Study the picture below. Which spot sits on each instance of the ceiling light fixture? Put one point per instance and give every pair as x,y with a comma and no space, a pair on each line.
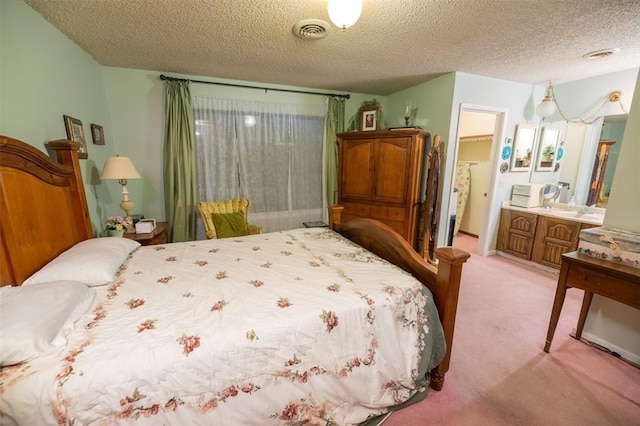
549,106
344,13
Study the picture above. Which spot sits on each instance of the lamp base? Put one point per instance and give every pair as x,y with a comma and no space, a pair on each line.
127,206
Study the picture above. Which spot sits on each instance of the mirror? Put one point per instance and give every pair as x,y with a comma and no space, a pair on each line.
598,194
550,193
579,160
546,158
523,147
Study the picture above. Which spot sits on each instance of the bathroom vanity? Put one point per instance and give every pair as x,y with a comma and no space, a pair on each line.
542,235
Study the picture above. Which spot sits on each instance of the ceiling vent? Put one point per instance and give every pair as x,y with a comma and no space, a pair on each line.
599,54
312,29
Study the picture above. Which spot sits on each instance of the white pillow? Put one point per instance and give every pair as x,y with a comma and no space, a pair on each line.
94,262
38,318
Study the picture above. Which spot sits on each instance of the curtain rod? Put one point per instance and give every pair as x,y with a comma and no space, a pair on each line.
164,77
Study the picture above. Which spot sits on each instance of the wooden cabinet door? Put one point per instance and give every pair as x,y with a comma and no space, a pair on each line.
516,233
356,169
554,238
393,169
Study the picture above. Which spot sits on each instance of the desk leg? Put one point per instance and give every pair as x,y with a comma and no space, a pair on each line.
586,303
561,292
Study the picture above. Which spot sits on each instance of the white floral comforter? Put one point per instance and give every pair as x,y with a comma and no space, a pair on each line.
296,327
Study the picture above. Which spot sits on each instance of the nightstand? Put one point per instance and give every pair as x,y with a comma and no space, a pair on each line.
158,236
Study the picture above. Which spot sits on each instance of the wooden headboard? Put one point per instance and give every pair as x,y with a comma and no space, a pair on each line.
43,206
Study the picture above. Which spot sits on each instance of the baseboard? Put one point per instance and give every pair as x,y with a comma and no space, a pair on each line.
605,346
528,263
467,233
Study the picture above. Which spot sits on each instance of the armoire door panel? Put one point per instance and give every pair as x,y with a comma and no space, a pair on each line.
356,181
391,170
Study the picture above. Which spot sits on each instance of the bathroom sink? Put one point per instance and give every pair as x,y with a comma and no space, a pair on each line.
589,217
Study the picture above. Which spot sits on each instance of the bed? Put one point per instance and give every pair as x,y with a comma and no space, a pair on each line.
308,326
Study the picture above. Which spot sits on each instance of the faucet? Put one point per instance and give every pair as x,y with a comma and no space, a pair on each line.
587,209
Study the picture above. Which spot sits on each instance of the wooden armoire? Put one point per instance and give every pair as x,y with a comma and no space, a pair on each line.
380,177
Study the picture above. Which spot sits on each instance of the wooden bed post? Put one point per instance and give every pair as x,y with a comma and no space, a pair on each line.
335,213
449,272
66,152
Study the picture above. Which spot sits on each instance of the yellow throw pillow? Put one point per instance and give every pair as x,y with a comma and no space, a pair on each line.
230,224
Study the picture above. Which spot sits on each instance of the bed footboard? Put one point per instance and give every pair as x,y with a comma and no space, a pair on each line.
443,280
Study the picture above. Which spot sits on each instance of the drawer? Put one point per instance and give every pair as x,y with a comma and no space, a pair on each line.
397,213
357,210
604,285
379,212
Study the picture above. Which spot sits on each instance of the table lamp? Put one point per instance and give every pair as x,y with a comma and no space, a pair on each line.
121,168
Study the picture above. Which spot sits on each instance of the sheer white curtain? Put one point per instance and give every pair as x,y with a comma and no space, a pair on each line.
270,153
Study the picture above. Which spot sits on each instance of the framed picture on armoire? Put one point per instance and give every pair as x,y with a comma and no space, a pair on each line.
368,120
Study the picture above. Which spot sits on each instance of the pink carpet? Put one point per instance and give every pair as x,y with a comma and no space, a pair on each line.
499,373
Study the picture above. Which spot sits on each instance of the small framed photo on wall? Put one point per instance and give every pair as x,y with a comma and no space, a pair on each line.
368,120
97,134
75,132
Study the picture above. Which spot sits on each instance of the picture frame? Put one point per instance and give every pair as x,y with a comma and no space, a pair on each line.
368,119
97,134
75,132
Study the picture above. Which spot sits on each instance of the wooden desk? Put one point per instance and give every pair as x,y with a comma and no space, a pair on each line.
158,236
595,276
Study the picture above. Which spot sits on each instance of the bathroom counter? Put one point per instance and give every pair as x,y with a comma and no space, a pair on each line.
596,217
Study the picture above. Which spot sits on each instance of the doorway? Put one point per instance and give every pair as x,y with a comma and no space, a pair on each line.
479,132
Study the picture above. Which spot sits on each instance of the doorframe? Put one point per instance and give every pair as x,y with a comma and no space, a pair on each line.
487,231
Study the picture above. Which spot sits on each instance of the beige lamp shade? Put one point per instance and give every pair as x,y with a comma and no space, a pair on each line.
119,168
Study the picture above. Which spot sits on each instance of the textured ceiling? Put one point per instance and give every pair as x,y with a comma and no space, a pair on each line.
395,44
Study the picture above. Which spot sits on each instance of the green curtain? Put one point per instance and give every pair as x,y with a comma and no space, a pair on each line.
334,125
179,162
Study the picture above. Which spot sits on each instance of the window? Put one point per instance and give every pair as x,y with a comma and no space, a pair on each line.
270,153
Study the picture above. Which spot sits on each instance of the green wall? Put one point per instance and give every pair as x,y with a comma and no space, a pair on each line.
612,132
43,75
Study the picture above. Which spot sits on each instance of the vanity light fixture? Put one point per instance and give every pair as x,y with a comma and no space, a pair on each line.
344,13
121,168
549,106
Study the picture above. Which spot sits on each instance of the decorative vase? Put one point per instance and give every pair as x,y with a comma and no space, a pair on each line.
114,233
